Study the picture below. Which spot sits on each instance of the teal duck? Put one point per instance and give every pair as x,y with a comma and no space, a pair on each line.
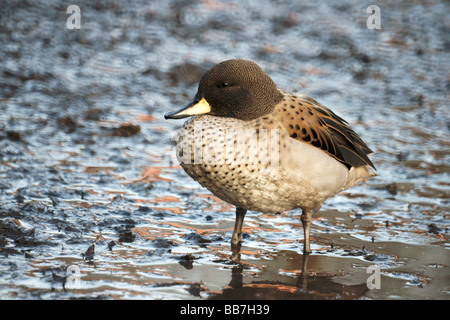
264,149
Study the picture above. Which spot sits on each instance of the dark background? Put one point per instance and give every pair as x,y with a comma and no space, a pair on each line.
87,173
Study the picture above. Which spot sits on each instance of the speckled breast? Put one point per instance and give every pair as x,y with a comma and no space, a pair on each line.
240,162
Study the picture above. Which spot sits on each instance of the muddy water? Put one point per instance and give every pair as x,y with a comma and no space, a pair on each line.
94,205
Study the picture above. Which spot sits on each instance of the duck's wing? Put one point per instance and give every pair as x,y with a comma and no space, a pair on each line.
311,122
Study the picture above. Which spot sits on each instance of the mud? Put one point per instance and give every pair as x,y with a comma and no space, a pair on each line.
93,204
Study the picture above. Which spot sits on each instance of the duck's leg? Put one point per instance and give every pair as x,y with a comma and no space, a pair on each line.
306,221
236,239
302,281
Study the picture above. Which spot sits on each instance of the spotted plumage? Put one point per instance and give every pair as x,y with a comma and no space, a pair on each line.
309,121
264,149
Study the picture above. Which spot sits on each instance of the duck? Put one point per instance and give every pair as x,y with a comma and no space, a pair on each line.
262,148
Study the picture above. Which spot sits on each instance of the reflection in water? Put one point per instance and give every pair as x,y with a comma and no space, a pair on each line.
308,287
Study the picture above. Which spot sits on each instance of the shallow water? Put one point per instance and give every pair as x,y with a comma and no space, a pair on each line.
89,183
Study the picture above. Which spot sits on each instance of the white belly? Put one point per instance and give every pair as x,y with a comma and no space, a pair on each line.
302,176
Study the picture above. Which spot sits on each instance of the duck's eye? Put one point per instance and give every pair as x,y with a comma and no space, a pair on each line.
225,84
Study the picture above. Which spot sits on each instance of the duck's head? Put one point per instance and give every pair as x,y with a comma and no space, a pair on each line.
235,88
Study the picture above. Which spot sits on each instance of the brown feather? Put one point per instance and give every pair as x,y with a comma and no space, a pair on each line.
311,122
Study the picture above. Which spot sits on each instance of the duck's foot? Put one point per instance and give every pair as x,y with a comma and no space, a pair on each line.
236,239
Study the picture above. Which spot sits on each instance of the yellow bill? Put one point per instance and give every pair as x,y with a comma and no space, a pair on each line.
192,109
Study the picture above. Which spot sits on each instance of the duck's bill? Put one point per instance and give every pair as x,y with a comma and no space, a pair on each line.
194,108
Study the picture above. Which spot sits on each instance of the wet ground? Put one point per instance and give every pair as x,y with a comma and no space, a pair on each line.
94,205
